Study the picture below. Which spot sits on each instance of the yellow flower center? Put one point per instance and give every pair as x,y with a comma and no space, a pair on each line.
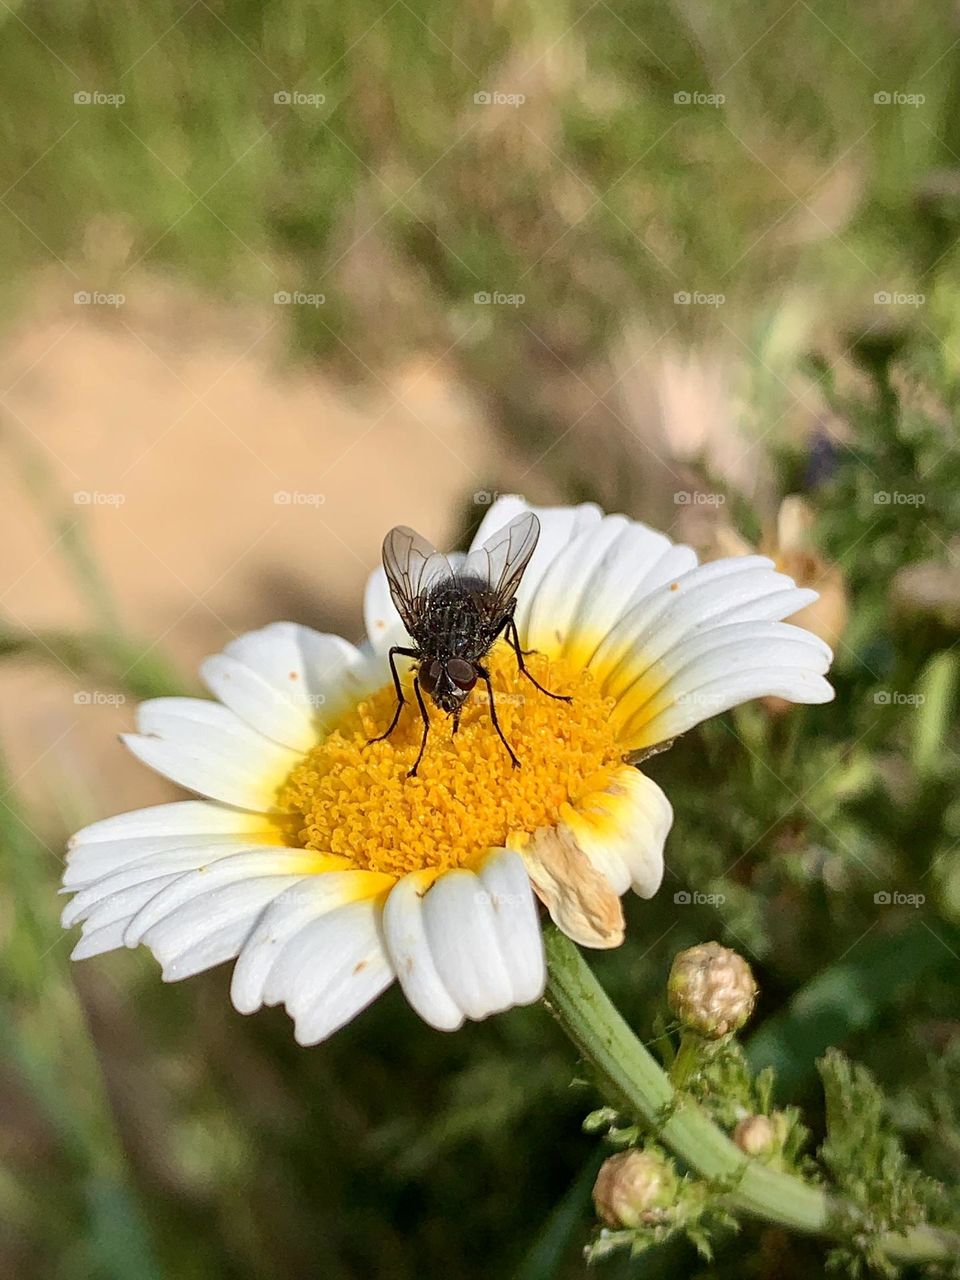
356,800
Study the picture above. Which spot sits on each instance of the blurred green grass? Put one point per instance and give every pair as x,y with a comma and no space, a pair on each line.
150,1131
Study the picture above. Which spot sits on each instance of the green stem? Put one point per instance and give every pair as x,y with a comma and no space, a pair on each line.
685,1063
635,1081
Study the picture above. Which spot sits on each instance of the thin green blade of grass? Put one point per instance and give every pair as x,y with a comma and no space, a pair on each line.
101,660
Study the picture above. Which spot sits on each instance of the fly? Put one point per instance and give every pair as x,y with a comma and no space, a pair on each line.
455,616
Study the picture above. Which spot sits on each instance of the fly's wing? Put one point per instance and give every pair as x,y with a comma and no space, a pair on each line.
412,567
500,563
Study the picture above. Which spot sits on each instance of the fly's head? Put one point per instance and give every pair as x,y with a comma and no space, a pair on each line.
448,683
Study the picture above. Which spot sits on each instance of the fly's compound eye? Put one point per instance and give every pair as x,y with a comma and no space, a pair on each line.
430,674
462,674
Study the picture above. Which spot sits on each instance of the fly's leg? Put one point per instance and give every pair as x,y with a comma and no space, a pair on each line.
426,727
484,674
405,653
513,640
509,622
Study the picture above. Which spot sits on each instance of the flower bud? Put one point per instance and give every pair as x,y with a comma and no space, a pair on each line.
634,1187
711,990
761,1135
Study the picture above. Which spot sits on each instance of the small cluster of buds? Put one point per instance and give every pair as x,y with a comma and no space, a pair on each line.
711,990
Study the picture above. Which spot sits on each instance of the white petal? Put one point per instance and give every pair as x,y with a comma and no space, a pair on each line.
258,703
142,871
287,680
623,830
595,579
239,868
710,656
410,954
212,927
119,906
703,643
182,818
727,692
462,935
205,747
285,917
505,879
330,970
558,526
107,846
97,941
658,622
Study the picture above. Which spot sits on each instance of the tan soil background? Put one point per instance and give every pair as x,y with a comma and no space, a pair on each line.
171,429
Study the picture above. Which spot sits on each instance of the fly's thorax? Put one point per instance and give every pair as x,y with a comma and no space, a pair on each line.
455,622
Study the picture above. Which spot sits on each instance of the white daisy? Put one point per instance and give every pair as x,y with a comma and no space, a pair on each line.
326,871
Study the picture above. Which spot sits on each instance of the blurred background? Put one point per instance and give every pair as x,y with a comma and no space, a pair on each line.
279,276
